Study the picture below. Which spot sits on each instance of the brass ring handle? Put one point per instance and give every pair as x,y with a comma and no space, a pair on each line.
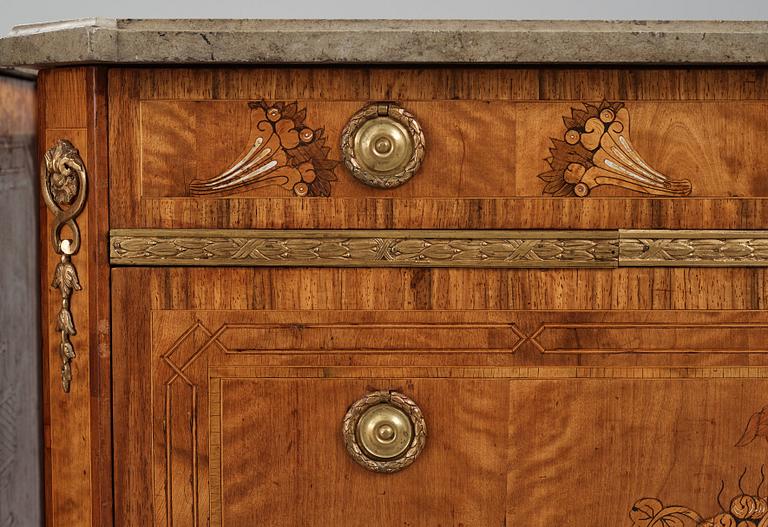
384,431
383,145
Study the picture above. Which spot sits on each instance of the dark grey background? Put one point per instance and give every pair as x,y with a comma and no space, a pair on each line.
14,12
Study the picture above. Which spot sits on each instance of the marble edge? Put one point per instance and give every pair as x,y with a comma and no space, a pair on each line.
19,73
126,41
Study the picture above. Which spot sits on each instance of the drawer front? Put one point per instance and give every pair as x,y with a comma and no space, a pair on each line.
503,148
544,405
568,283
575,450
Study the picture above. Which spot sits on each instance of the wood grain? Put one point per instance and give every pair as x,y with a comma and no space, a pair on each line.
447,289
72,104
132,372
593,447
306,459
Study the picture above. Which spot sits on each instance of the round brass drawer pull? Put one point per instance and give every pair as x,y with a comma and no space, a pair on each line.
384,431
382,145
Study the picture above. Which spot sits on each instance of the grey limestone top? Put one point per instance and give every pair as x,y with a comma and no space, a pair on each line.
97,40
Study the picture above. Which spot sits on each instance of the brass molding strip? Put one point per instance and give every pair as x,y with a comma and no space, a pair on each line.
693,248
439,248
364,248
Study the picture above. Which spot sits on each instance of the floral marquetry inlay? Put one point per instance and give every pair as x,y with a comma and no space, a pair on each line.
596,150
747,509
282,150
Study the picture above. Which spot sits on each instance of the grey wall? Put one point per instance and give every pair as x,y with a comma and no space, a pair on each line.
20,11
20,416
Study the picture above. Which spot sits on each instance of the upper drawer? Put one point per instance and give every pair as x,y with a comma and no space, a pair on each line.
504,148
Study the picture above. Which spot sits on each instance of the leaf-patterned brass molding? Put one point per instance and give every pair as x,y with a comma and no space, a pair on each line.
444,248
596,150
360,248
281,151
707,248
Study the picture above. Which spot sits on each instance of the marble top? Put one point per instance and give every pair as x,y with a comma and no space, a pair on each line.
123,41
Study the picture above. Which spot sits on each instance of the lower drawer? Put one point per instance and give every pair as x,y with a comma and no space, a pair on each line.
568,451
229,415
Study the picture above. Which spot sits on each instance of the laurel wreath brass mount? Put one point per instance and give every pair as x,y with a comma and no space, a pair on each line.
383,145
384,431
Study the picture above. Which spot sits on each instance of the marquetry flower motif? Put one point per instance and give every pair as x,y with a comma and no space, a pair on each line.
757,427
282,150
596,150
744,510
